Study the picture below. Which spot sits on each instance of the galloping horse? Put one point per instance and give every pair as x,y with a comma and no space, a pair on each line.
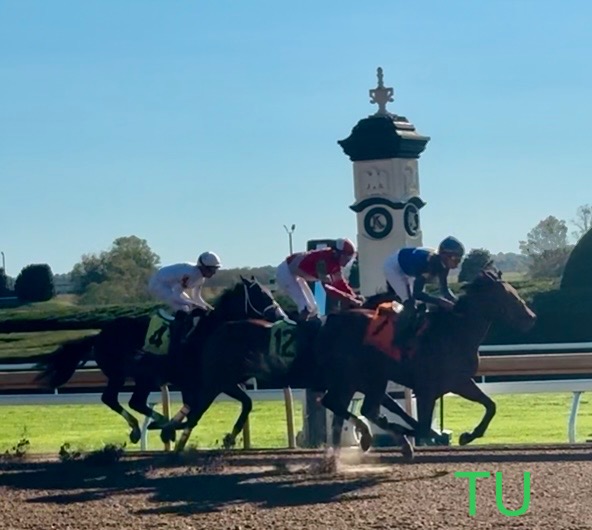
335,357
116,350
444,358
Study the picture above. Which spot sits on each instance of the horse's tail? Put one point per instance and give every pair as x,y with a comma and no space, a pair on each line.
65,360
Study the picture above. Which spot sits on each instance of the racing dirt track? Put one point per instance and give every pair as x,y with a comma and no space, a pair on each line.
288,489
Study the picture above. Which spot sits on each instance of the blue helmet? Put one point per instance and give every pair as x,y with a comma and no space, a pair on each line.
451,245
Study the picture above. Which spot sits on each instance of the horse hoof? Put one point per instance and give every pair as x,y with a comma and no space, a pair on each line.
365,441
407,452
229,441
135,435
465,438
167,435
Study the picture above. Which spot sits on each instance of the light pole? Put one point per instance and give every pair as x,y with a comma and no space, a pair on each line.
290,231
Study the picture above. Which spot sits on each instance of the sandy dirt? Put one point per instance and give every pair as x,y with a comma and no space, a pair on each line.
295,489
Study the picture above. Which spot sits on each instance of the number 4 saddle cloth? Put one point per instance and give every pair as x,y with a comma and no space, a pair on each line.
158,335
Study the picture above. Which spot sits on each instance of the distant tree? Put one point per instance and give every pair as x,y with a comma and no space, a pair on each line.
476,259
583,221
511,262
118,274
35,283
549,263
4,291
91,269
548,234
547,247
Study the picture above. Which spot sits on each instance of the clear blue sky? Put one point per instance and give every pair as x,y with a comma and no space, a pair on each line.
209,125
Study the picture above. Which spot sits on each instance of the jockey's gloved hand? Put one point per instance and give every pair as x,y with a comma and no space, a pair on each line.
199,311
446,304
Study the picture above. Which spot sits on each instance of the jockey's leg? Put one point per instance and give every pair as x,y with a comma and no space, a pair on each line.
288,283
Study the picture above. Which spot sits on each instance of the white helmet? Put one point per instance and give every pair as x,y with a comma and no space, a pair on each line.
209,259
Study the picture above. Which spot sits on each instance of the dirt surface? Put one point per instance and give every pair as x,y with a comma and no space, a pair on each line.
292,490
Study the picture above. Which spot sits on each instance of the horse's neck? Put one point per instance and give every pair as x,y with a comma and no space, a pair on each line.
468,327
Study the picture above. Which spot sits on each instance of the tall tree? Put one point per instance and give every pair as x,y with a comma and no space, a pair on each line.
583,221
548,234
547,247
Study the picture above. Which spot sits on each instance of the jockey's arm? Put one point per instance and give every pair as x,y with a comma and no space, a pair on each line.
338,281
420,294
197,298
444,289
321,270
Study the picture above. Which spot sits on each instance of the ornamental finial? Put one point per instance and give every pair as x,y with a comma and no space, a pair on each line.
381,95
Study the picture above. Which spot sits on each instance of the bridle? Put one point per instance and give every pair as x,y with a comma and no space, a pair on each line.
249,305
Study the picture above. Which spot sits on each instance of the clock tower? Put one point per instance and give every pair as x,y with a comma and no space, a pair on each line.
384,149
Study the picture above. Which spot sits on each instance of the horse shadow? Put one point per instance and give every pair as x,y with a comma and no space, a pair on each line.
198,489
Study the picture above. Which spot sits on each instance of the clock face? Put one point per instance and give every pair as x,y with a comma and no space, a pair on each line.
411,219
378,222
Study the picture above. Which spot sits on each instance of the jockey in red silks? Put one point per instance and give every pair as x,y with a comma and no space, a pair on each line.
324,265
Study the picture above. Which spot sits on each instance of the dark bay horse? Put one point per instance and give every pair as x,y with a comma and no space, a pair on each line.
116,352
444,359
334,358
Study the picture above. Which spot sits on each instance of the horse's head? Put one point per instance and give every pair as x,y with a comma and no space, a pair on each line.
498,300
259,301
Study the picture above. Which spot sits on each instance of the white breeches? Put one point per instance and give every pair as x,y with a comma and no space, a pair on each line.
164,294
296,288
397,279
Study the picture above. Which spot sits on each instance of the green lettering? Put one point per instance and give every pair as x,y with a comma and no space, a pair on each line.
499,496
472,476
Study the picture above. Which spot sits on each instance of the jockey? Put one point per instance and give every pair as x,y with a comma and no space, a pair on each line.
408,270
179,286
322,265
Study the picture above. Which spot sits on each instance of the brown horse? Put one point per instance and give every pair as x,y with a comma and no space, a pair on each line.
334,357
115,350
444,359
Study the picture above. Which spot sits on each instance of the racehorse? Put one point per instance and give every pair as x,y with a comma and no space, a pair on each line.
117,350
335,357
443,358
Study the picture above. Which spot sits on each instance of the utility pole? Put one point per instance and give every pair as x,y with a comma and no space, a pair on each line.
290,231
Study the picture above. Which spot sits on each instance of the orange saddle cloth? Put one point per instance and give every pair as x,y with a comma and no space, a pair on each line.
382,329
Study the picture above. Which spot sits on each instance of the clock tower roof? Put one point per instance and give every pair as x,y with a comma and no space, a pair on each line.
384,134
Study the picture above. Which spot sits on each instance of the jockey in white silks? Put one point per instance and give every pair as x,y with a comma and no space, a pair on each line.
179,286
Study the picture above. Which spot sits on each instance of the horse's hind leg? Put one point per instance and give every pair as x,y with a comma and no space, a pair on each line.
239,394
196,410
139,403
110,397
371,410
391,405
468,389
338,404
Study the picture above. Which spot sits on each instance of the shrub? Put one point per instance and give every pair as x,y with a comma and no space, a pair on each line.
35,283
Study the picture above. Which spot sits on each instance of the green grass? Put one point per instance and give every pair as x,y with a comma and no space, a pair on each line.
23,346
538,418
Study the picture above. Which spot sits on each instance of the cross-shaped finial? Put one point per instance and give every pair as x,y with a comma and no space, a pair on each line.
381,95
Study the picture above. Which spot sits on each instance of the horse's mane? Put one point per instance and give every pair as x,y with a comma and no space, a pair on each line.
227,295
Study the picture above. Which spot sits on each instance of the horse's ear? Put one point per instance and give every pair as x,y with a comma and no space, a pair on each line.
243,278
253,278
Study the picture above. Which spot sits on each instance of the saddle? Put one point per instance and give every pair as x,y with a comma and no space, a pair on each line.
394,328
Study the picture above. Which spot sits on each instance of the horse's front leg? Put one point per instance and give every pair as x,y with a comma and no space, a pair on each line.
426,402
468,389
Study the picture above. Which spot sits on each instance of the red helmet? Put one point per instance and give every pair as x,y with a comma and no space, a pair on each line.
345,246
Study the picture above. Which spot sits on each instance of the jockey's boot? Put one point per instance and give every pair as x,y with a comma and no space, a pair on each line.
304,315
177,331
